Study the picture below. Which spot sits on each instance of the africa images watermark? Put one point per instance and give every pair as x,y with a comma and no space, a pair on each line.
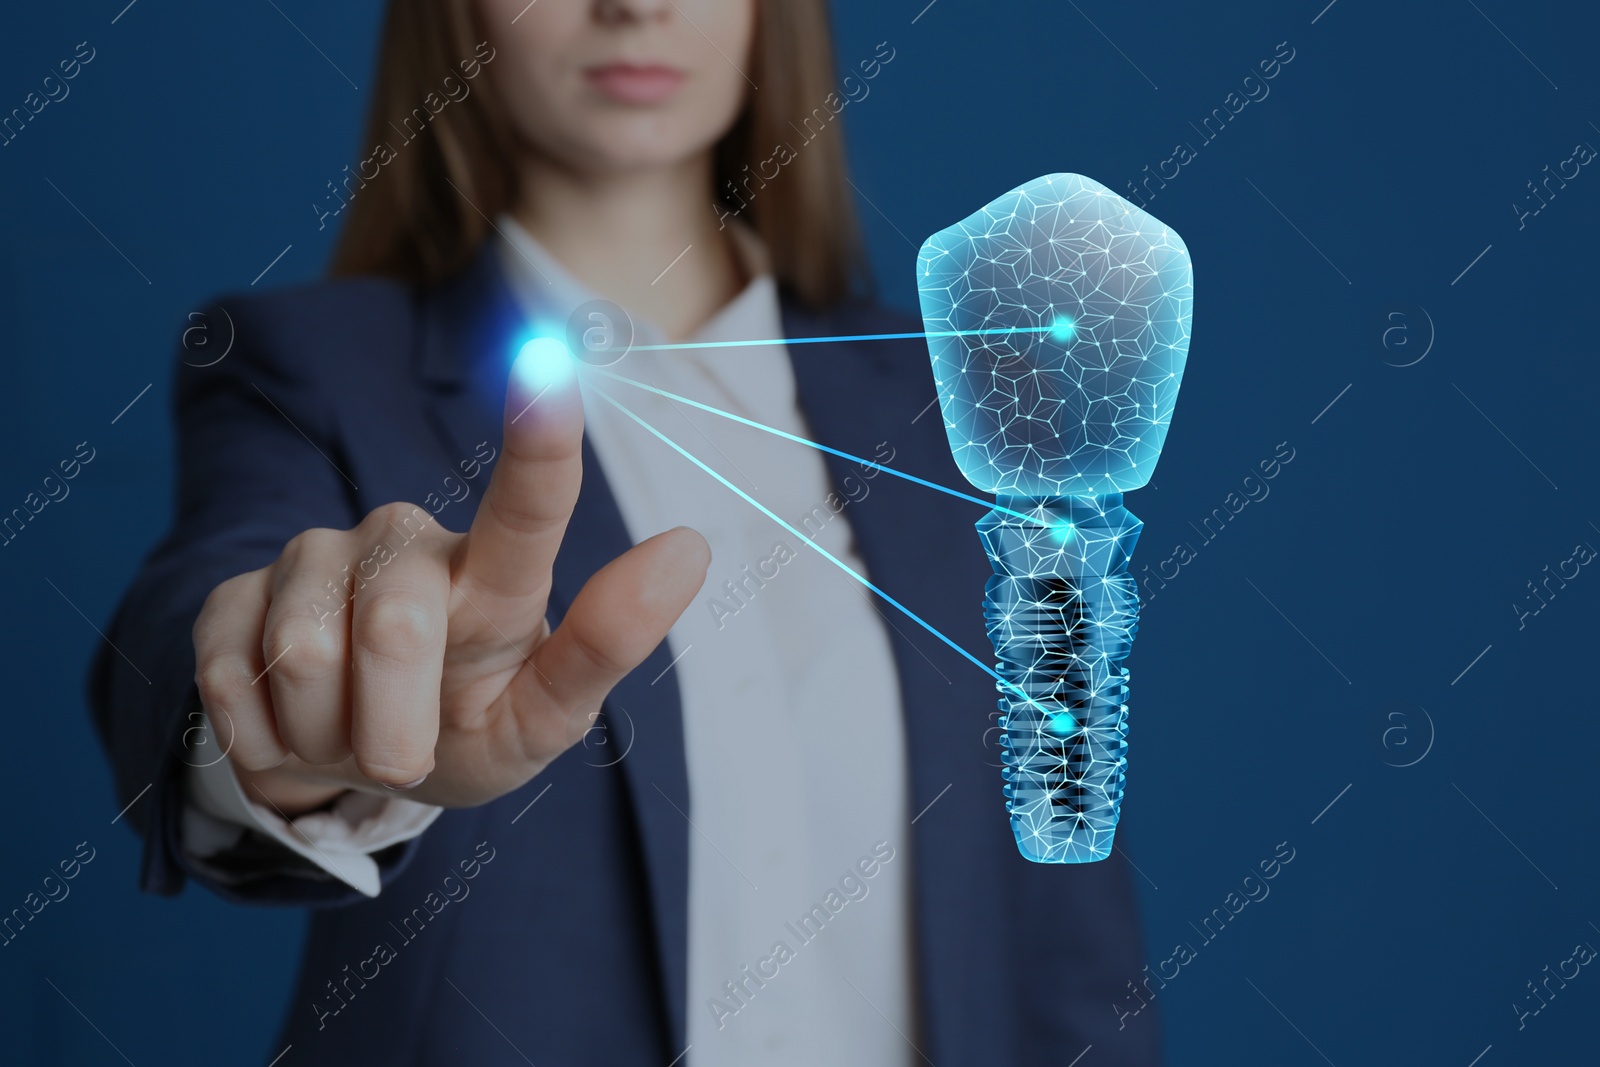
453,889
55,891
55,490
1582,154
738,191
1254,489
1255,890
1582,955
411,127
1185,152
853,885
1582,553
344,591
55,89
737,593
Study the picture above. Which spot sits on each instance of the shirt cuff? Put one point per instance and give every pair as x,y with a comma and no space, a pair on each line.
340,841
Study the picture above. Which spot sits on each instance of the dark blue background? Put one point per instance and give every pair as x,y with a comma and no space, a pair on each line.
1386,558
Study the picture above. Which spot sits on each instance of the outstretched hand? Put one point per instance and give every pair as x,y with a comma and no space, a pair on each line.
441,676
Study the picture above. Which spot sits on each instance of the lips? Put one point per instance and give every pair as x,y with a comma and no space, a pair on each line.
634,83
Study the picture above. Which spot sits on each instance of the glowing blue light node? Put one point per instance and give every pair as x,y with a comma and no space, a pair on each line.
544,362
1062,724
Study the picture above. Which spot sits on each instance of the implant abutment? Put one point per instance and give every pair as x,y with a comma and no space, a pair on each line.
1061,611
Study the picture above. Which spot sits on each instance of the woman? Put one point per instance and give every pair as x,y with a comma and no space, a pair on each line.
751,857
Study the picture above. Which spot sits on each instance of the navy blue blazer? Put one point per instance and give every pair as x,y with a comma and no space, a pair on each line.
557,933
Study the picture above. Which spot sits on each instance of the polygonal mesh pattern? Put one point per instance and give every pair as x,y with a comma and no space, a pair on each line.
1058,321
1062,611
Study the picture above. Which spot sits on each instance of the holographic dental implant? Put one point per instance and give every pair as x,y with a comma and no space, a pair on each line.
1058,323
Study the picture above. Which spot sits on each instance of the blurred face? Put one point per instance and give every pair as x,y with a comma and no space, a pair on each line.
607,86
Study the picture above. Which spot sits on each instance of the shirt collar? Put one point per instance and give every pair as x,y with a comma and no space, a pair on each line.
551,297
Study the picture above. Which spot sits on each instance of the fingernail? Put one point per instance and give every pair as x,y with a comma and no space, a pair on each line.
407,786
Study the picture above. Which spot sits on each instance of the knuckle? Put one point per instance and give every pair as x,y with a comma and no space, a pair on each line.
398,626
603,645
307,542
517,517
221,681
409,519
303,650
223,599
225,590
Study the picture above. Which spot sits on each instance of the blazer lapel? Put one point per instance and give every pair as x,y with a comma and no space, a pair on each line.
468,326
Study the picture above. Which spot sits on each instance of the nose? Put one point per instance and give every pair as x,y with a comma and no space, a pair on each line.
614,11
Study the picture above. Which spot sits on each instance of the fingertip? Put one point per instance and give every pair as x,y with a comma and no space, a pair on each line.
666,570
398,775
543,365
542,396
688,548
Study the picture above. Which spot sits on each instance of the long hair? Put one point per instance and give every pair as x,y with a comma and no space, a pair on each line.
443,162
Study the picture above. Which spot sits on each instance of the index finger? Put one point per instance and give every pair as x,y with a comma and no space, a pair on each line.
512,545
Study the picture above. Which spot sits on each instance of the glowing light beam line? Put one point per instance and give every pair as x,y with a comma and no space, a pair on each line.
1034,519
835,560
842,337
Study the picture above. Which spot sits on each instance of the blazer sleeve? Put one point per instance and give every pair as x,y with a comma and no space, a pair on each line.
258,461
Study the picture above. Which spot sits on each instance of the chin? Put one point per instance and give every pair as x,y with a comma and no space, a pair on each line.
643,142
